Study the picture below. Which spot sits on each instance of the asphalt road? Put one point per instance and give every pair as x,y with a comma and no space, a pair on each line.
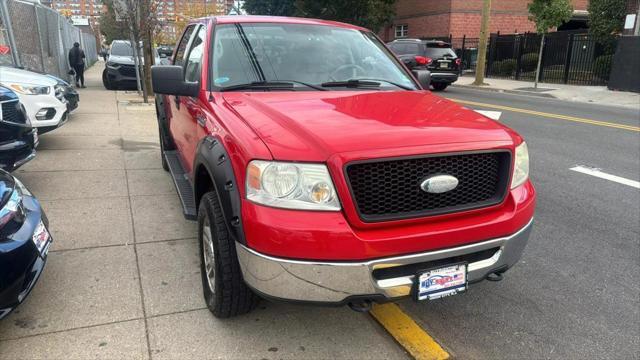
575,293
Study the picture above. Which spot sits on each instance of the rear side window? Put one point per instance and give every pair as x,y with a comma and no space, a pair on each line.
182,46
194,62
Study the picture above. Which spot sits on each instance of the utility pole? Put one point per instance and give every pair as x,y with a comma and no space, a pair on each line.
482,45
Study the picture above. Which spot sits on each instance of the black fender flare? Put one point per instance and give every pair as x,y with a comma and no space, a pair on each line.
163,126
212,157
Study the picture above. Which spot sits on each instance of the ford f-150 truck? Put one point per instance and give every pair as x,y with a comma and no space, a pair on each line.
320,170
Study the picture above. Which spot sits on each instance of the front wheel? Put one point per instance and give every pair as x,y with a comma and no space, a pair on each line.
439,86
224,289
106,82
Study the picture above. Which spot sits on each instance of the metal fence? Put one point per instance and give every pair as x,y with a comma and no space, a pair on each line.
567,57
38,38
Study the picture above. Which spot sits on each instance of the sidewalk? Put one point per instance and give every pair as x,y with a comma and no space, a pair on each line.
599,95
122,279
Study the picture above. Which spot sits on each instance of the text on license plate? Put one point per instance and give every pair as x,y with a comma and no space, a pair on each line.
441,282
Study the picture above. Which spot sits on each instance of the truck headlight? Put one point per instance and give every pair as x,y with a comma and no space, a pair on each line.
112,65
28,89
291,185
521,166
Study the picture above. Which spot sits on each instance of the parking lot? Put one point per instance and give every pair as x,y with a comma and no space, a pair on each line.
123,278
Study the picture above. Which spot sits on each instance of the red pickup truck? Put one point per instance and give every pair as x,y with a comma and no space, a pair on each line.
319,169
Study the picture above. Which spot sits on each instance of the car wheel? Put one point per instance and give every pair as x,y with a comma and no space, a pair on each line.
439,86
225,292
105,80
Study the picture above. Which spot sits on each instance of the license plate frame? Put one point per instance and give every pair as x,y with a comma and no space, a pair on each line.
41,238
432,284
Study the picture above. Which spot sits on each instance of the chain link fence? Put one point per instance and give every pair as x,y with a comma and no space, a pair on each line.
38,38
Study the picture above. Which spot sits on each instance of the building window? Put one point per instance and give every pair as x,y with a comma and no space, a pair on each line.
402,31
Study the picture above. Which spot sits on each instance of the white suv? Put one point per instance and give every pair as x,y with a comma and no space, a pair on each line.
42,97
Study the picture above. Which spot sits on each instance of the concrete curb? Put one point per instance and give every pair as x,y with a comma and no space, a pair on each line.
507,91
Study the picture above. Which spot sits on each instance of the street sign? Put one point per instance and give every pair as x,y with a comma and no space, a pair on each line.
5,50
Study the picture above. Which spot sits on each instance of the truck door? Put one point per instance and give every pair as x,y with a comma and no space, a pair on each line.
193,106
179,117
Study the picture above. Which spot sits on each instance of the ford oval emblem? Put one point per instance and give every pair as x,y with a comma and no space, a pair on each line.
439,184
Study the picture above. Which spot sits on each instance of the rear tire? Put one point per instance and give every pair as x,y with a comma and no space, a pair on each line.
225,292
439,86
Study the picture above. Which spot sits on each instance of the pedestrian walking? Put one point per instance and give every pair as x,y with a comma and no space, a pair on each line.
76,61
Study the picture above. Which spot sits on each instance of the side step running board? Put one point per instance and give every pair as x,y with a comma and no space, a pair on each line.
183,186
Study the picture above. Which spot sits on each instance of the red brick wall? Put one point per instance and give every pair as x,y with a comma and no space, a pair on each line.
469,24
433,18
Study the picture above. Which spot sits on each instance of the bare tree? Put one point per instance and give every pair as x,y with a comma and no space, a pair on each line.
141,19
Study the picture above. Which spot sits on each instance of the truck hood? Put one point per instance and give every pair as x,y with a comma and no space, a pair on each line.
123,60
313,125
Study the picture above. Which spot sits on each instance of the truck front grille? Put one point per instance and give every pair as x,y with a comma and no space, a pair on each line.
390,189
128,70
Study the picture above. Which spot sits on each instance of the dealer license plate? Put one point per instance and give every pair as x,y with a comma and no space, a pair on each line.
442,282
41,238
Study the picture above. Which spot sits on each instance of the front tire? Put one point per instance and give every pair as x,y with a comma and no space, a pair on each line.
439,86
225,292
106,82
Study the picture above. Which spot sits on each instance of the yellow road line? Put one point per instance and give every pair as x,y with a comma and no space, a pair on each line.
550,115
406,332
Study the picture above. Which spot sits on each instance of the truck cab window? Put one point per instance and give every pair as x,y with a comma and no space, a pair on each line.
194,60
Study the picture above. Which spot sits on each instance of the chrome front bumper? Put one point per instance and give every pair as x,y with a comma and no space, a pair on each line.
336,282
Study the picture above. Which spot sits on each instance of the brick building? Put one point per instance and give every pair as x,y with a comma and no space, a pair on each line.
441,18
88,11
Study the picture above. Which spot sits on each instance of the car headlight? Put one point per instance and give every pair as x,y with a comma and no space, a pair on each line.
28,89
291,185
13,208
112,65
521,166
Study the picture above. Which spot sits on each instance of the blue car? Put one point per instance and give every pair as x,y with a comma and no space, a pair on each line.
24,242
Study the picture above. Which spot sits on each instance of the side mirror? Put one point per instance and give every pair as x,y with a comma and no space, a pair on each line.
169,80
423,77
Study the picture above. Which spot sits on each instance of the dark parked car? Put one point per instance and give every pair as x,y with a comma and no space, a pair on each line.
165,51
433,55
18,139
24,242
69,93
120,69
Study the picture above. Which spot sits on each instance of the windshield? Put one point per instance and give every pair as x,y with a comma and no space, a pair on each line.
121,49
310,54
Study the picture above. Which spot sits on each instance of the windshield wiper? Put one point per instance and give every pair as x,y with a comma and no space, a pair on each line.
260,85
270,85
352,83
363,83
405,87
